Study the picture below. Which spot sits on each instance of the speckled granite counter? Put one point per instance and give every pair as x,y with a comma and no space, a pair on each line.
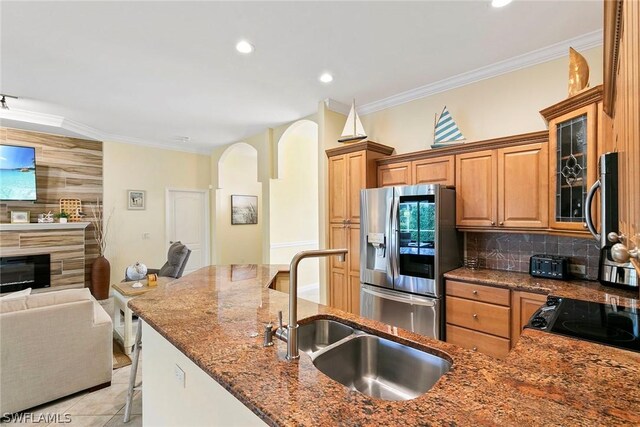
578,289
547,379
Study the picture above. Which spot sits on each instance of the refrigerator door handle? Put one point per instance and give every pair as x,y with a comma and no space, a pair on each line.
394,251
427,302
587,209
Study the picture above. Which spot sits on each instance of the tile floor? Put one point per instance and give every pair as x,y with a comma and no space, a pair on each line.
102,408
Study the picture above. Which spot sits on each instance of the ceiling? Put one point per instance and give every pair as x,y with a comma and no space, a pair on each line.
157,71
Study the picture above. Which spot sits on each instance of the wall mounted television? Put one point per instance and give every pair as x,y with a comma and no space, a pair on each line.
17,173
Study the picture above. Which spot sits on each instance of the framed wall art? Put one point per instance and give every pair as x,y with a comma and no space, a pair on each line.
244,210
136,199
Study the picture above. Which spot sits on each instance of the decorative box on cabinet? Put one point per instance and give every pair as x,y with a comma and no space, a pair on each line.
351,168
573,157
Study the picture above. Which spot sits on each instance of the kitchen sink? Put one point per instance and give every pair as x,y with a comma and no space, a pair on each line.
381,368
316,335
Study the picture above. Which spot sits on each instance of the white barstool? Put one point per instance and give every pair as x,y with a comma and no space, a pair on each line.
137,346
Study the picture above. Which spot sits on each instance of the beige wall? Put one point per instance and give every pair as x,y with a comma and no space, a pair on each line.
238,172
134,167
294,199
500,106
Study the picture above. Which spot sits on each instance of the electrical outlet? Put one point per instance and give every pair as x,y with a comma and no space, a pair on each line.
580,269
146,236
180,376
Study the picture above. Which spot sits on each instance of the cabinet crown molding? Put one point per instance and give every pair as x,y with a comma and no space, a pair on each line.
488,144
360,146
568,105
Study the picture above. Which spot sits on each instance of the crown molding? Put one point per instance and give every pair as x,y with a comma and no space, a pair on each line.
50,123
545,54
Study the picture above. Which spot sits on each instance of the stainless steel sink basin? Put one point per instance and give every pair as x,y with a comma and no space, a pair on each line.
381,368
321,333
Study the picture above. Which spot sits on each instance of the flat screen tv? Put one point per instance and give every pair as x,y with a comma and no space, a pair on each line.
17,173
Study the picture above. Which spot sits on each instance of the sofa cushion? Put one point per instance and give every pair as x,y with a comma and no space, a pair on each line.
44,299
175,258
18,294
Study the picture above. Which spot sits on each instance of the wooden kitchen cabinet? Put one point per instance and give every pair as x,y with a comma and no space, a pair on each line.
351,168
523,305
503,188
394,174
478,317
622,105
435,170
523,186
573,157
476,189
438,170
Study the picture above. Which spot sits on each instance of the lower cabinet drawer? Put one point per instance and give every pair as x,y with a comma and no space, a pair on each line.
478,341
479,316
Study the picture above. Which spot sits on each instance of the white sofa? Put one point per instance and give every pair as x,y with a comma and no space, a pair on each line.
51,345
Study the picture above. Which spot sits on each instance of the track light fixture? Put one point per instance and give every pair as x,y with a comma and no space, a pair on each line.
3,101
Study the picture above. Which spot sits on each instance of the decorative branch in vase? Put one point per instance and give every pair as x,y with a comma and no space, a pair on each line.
100,269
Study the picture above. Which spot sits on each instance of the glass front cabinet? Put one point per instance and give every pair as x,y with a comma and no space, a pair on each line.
573,158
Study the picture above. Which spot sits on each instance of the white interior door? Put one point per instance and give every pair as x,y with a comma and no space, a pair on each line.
188,222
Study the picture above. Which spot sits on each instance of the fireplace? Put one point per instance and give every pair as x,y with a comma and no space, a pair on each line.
25,271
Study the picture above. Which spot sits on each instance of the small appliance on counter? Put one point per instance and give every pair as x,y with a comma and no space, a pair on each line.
408,240
609,324
549,266
610,272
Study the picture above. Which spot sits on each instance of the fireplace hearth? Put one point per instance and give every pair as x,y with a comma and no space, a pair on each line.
25,271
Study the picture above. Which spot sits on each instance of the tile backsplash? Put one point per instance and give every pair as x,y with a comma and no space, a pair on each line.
509,251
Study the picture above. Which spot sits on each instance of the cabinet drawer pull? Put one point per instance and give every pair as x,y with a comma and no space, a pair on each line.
475,292
493,223
501,223
475,316
474,348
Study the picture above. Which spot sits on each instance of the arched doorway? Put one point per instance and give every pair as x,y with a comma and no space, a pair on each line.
238,176
294,224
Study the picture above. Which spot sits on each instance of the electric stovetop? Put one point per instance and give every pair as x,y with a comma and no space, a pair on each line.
610,324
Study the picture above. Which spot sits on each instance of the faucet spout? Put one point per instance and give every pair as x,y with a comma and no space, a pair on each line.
292,328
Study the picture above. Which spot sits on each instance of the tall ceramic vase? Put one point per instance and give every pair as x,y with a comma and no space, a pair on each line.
100,278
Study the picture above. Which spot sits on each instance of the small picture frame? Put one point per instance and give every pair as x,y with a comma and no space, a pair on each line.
20,217
136,199
244,210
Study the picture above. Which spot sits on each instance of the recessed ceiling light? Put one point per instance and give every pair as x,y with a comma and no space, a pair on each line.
326,78
500,3
244,46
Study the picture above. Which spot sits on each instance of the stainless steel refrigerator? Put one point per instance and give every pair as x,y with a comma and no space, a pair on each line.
408,240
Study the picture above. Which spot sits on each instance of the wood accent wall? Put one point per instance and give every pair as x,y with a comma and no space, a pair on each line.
65,246
622,103
65,168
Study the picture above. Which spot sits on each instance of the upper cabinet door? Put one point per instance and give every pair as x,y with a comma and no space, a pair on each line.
338,188
357,180
573,151
440,170
523,186
476,189
394,174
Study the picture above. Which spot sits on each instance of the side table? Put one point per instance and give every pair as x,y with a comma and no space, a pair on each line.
123,324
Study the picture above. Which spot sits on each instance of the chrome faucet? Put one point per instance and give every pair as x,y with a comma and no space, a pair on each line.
289,333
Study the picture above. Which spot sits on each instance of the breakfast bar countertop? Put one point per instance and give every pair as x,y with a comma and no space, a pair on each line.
216,315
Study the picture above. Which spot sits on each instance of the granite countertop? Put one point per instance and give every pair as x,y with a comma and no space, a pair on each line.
578,289
546,380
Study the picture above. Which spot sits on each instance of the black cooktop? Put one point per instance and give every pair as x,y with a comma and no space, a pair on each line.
608,324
